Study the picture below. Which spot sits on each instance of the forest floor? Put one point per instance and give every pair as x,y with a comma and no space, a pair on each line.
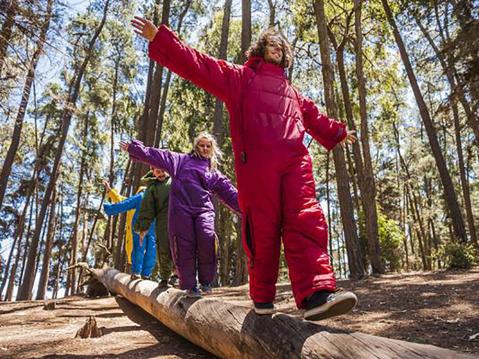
439,308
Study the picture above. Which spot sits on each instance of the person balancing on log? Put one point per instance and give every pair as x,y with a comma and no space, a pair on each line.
276,189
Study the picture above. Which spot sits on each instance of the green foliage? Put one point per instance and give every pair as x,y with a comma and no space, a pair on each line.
391,238
458,255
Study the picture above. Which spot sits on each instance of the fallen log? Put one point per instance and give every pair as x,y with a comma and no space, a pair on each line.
232,331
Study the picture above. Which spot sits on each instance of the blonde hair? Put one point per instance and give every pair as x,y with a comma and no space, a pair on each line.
216,153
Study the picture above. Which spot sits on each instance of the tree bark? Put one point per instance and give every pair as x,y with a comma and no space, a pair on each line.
272,13
74,239
448,68
17,130
245,28
448,187
149,122
166,86
43,282
6,33
369,193
247,335
355,257
218,125
26,288
241,270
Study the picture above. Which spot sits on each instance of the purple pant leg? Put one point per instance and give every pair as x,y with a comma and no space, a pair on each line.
183,247
206,251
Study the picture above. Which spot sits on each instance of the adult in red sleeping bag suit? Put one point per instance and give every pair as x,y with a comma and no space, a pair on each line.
268,119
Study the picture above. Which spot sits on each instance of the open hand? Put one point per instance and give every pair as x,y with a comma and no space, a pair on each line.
144,28
142,236
106,184
124,146
349,139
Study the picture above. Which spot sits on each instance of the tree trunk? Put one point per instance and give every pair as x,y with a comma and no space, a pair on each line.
42,285
355,257
247,335
26,289
17,130
241,270
272,13
455,89
449,193
6,32
166,87
149,122
18,235
74,240
245,28
218,126
369,193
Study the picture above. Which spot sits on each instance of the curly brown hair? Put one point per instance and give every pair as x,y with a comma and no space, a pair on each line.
259,47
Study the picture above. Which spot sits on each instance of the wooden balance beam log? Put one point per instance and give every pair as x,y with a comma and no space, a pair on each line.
232,331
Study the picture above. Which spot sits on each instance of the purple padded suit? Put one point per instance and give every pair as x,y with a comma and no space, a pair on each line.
191,220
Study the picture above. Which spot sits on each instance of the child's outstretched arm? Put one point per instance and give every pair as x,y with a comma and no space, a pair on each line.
164,159
218,77
225,191
112,193
123,206
323,129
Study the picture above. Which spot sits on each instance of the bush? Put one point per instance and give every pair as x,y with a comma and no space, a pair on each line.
390,239
458,255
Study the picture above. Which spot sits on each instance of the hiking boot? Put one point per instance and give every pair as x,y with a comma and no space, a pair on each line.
206,289
324,304
163,284
135,276
264,308
174,281
193,293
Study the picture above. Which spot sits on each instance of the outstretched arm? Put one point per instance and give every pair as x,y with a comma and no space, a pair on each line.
164,159
218,77
323,129
123,206
225,191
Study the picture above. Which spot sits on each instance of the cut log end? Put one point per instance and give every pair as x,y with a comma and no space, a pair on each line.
89,330
49,305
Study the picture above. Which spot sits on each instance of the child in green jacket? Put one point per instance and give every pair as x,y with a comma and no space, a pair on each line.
155,207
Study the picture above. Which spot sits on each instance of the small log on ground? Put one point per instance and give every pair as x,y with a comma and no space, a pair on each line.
90,329
49,305
232,331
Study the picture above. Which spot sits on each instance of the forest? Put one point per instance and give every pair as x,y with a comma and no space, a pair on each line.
76,80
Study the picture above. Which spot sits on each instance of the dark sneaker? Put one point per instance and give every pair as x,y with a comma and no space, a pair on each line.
174,281
264,308
206,289
324,304
163,284
135,276
193,293
145,277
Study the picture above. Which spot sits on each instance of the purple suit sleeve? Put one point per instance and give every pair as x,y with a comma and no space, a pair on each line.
225,191
164,159
326,131
218,77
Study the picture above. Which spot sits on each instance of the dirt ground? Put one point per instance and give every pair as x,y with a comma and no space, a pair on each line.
440,308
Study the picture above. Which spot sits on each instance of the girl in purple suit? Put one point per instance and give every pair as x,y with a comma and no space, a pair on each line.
191,213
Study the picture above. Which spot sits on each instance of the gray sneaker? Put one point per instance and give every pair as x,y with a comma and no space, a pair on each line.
206,289
323,305
193,293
